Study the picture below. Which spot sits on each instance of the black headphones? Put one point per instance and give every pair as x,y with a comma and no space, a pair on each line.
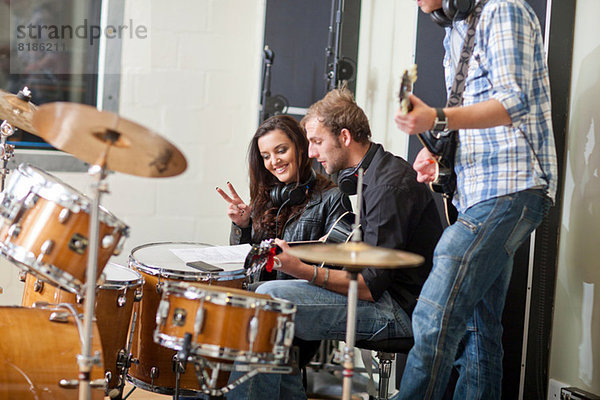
292,193
348,178
452,10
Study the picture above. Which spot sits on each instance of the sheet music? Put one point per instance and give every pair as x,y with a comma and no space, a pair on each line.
214,254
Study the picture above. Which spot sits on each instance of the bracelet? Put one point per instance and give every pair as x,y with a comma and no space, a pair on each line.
324,286
314,277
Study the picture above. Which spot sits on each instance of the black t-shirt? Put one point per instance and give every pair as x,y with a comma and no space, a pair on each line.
398,213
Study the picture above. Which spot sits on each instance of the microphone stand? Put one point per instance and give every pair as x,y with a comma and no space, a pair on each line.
334,41
269,56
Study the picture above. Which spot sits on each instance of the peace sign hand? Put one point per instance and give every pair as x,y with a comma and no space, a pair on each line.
238,211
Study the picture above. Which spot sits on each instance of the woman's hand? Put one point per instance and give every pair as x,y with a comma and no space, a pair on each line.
238,211
426,166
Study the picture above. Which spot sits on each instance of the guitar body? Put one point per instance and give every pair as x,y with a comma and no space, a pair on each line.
444,147
262,255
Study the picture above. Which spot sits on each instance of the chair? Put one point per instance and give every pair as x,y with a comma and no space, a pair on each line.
386,350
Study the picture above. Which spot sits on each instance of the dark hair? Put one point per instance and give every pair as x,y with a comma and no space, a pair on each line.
261,180
338,110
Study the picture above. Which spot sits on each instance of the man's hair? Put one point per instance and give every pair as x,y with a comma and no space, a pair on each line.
338,110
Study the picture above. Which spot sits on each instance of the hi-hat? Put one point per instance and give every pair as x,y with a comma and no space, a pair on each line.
17,110
87,133
356,255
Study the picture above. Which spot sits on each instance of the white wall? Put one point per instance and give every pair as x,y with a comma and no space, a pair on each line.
196,80
575,350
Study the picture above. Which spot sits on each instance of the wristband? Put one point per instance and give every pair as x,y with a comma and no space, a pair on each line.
314,277
441,122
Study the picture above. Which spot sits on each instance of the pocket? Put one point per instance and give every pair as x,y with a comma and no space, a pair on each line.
529,220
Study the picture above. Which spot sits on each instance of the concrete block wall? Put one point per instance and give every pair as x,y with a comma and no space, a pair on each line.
195,80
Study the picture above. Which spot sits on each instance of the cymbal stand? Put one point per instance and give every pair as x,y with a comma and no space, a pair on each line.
6,150
348,362
86,360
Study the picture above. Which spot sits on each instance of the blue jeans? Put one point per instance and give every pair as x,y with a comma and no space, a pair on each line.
321,314
457,320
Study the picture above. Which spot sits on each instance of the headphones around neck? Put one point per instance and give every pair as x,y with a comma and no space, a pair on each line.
452,10
348,178
292,193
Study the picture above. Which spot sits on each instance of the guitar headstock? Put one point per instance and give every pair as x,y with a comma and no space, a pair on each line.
261,255
409,77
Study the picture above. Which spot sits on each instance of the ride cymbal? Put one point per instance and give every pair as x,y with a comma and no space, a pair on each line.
356,255
87,134
17,110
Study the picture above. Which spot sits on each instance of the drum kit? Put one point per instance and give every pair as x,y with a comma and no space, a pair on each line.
86,325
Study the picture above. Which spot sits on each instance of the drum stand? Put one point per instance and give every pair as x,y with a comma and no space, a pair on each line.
202,365
86,360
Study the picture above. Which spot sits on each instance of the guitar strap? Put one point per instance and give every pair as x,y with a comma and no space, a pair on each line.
458,86
462,69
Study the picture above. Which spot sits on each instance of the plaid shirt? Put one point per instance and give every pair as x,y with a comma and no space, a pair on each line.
508,64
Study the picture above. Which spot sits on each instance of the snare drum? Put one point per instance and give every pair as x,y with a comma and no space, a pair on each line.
119,288
46,225
226,323
38,354
158,264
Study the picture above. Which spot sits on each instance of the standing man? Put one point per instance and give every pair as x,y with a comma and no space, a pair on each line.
506,180
396,212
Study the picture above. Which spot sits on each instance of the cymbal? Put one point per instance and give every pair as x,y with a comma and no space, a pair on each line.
87,133
17,111
356,255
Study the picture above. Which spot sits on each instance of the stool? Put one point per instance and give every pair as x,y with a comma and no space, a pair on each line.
386,350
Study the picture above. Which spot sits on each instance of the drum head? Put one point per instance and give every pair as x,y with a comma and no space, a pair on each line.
159,259
117,275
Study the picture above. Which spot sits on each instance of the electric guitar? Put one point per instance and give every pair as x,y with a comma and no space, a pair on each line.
441,144
262,255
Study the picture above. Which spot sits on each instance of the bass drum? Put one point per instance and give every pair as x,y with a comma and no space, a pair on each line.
38,354
158,264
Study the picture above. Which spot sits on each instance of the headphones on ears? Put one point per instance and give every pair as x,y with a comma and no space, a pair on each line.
452,10
292,193
348,178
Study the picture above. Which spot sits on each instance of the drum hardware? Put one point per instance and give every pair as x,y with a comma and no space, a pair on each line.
74,383
38,285
208,382
180,360
63,215
106,142
17,112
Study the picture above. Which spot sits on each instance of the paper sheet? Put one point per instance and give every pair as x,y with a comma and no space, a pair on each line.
214,254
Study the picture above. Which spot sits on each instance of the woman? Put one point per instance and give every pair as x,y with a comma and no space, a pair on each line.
288,200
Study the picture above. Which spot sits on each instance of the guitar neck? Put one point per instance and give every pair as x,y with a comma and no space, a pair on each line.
297,242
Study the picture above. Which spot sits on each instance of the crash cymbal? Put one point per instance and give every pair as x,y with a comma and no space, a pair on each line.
356,255
17,110
86,133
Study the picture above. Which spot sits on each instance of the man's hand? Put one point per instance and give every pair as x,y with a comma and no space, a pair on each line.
426,166
420,118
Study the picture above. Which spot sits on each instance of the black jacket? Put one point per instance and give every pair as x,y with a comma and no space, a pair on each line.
399,213
319,215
